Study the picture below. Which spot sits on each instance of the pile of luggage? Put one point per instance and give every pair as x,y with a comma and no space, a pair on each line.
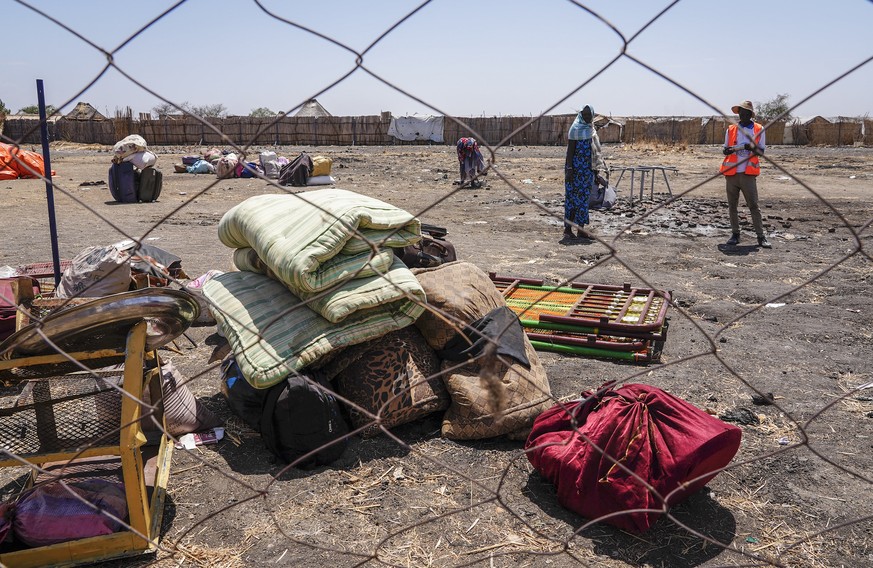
133,177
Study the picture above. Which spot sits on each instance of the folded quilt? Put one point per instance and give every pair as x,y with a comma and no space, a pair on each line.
272,333
314,239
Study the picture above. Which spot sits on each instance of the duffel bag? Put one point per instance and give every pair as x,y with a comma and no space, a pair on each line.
429,252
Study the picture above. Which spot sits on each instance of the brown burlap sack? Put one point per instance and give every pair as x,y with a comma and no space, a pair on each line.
490,398
457,293
394,377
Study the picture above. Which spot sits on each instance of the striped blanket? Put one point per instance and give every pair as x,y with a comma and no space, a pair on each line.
317,273
330,243
272,333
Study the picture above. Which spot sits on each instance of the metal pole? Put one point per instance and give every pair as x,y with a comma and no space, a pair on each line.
49,186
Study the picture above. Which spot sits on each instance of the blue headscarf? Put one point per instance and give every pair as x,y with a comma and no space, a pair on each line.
581,130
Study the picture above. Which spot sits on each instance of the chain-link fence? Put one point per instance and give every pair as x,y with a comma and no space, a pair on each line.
403,401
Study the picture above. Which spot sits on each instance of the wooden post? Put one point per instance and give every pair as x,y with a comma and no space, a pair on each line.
131,434
22,298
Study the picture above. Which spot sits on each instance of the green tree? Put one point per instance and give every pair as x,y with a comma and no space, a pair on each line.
262,112
34,109
4,110
775,107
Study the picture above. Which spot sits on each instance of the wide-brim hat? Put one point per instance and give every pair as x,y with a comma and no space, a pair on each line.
746,105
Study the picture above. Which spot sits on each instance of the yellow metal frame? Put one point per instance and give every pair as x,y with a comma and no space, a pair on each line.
144,515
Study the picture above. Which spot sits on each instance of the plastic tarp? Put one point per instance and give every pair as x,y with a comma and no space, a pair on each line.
16,163
417,128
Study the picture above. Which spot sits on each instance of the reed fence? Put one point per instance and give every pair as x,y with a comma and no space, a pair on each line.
547,130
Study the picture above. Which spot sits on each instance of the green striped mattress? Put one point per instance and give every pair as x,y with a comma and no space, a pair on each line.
314,239
272,333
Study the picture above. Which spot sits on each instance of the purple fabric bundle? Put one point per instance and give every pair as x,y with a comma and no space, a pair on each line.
49,514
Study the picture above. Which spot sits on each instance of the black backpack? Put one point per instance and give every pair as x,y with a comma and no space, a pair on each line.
244,400
300,416
293,417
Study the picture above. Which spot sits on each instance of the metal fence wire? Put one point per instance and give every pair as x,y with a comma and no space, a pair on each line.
797,493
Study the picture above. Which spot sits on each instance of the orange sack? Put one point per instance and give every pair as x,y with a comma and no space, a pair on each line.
17,163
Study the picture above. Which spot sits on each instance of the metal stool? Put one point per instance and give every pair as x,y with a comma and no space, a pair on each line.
643,170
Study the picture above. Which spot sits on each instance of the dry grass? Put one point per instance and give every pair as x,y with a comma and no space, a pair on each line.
201,556
854,399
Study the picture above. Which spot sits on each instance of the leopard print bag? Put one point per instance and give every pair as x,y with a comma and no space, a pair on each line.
391,377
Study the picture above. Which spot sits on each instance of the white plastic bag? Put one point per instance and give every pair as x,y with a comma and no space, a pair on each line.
269,164
96,271
142,160
602,197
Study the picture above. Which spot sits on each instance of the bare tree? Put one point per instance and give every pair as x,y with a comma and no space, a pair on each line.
209,111
164,110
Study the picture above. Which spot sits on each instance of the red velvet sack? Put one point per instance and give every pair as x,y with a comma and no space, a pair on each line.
662,439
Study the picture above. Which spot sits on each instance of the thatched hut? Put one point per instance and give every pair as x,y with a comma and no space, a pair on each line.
811,124
712,131
84,111
837,131
312,108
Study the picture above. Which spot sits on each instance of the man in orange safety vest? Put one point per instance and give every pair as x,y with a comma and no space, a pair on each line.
743,143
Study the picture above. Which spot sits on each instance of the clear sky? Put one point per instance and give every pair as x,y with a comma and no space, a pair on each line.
459,57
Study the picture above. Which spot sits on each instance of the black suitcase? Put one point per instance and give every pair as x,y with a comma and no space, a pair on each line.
150,184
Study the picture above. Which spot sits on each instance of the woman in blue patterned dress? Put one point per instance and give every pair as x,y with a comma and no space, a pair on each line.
582,167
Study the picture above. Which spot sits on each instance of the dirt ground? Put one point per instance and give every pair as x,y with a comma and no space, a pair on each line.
794,321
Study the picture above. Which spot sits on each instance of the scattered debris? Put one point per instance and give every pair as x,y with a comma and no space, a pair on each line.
765,399
190,441
742,416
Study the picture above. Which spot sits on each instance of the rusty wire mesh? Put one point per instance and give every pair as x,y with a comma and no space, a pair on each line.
411,498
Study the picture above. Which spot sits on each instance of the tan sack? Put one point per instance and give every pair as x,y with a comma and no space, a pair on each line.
321,166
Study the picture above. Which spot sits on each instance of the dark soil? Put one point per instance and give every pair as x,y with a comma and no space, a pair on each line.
794,321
